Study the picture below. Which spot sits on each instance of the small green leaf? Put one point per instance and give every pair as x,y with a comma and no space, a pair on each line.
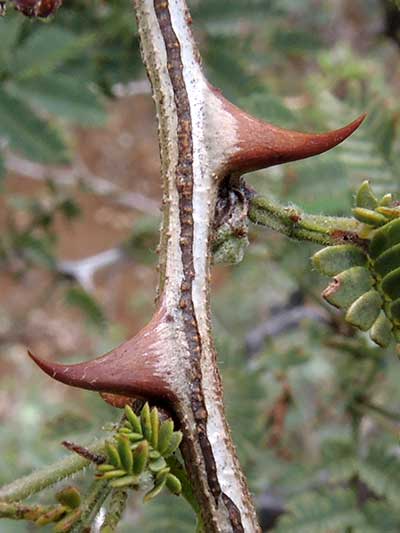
367,216
384,238
70,497
174,442
125,481
140,457
395,311
396,334
365,197
155,425
348,286
386,200
46,49
113,474
155,491
157,464
105,468
166,430
333,260
154,454
65,97
134,437
28,134
365,310
161,474
133,419
145,420
125,453
381,332
389,212
388,261
113,455
391,284
173,484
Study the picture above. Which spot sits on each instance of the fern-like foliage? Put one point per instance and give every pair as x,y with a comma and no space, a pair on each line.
333,511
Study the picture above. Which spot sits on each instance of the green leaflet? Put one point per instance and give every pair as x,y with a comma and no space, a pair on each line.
366,281
365,310
63,96
318,513
385,238
36,58
28,134
332,261
381,472
133,420
348,286
70,497
139,451
381,331
365,197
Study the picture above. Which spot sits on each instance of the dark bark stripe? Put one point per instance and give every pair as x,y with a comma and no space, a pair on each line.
184,184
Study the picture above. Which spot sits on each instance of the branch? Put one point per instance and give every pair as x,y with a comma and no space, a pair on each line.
115,511
37,481
84,270
203,139
19,511
293,223
98,493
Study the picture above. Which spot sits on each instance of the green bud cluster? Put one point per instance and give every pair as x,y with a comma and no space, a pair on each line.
230,239
139,450
366,282
229,245
66,513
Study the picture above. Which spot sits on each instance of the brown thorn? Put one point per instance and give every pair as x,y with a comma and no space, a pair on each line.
84,452
129,370
262,145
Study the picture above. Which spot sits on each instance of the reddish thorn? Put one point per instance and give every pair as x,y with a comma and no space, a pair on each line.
129,370
262,145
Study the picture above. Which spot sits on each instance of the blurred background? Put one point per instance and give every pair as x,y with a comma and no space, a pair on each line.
314,407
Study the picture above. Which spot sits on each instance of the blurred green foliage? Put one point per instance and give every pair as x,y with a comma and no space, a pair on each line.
315,410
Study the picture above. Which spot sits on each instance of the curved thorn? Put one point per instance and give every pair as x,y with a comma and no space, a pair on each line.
129,370
262,145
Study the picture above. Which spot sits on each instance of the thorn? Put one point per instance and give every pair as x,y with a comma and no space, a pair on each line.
84,452
262,145
129,370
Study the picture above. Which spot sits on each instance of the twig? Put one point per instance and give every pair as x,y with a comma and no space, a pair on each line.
18,511
293,223
37,481
115,511
98,493
84,270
